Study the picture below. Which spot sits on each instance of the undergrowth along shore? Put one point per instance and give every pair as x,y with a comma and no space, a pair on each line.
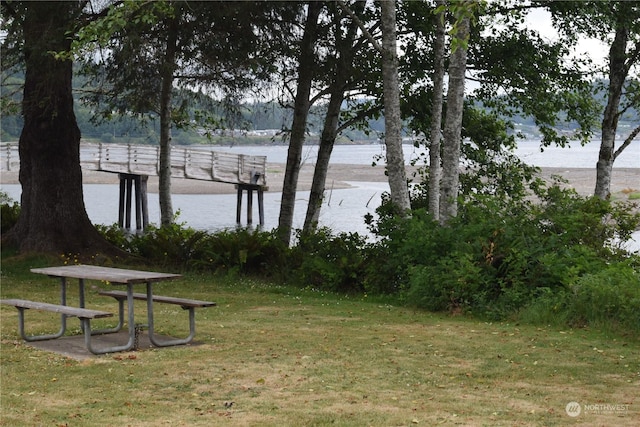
552,262
558,260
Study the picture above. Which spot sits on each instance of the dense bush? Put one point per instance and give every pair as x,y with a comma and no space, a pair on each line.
609,295
9,212
325,261
499,255
243,251
228,251
608,299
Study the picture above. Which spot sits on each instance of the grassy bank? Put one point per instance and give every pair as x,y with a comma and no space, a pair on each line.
290,357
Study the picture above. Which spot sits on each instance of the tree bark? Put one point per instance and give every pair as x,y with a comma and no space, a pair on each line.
299,126
343,69
53,218
453,127
164,179
435,136
327,141
392,116
617,76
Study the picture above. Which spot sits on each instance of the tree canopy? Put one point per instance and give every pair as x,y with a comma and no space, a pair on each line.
191,63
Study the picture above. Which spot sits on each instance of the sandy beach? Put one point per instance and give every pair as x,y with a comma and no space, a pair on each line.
341,175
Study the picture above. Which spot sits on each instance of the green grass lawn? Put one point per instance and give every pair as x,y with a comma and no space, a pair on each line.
286,357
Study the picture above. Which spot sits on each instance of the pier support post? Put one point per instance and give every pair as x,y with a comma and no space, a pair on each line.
250,188
137,183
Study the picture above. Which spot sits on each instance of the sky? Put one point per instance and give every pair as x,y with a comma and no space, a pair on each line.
540,20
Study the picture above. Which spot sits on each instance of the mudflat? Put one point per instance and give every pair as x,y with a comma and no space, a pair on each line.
624,180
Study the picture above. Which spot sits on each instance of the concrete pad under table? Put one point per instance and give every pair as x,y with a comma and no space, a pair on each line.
74,348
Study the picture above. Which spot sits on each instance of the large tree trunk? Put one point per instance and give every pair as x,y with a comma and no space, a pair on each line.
299,125
164,179
53,218
392,117
435,137
453,127
617,76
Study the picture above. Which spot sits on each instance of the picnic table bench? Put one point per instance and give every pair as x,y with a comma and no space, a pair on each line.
114,276
186,304
85,316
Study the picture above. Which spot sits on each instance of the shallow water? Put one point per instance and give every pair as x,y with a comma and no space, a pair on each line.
343,209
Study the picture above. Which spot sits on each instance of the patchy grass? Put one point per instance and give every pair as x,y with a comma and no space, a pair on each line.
288,357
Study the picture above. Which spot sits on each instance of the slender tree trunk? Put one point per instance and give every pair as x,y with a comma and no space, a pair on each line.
617,76
164,180
343,67
435,137
298,127
327,141
53,217
453,127
392,116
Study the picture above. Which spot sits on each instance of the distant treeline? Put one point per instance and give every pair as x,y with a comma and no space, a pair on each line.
236,126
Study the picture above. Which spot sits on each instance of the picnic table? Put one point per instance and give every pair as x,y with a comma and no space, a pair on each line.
111,276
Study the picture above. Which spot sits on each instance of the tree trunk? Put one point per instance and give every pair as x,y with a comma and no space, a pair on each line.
53,218
453,127
617,76
164,179
343,68
327,141
392,117
299,126
435,137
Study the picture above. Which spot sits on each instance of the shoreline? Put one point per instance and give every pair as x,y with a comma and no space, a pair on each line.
339,176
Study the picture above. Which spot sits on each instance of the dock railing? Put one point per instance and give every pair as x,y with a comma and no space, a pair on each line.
186,162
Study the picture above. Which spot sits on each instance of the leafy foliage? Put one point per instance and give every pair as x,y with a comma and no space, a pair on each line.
330,262
499,255
9,212
239,251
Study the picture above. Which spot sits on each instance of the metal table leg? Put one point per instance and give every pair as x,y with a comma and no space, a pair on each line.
167,343
132,330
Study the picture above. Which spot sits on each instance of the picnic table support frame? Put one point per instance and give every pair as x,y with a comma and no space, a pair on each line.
63,319
118,327
172,342
85,324
132,330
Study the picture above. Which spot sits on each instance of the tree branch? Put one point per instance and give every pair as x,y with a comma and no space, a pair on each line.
361,115
633,57
626,142
377,46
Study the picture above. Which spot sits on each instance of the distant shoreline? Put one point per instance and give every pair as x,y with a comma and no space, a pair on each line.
339,175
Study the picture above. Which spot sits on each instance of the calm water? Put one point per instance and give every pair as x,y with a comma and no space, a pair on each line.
529,151
343,209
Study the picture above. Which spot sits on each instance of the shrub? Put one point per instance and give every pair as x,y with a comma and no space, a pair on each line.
498,255
243,251
608,297
329,262
173,245
227,251
9,212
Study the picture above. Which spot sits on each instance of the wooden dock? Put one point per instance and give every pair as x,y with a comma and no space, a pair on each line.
186,162
134,163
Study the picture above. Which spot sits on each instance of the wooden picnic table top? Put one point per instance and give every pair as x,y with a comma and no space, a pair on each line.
109,274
